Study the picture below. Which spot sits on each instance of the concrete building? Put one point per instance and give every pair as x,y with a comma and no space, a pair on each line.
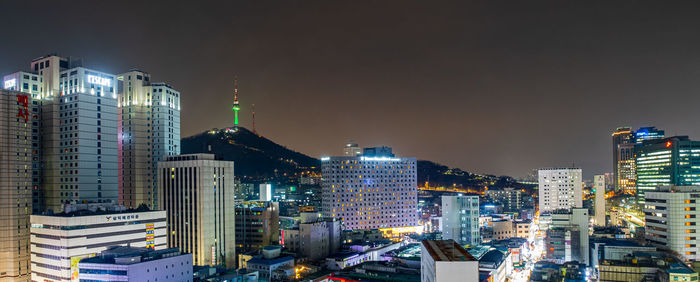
599,187
351,149
257,225
668,161
560,188
26,82
502,229
265,192
498,264
137,264
15,183
645,266
671,217
197,191
460,219
271,265
445,260
522,228
149,129
60,241
614,249
374,190
313,238
510,198
567,238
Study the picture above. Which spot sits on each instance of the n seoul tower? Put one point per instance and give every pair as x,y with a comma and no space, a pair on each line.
235,108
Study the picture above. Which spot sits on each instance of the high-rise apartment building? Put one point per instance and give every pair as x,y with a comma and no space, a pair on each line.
623,159
671,217
668,161
560,188
510,198
149,129
15,184
373,190
599,187
460,219
60,241
74,105
197,192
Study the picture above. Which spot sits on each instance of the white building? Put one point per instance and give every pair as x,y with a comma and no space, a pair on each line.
137,264
149,129
265,192
460,219
671,217
60,241
15,184
197,192
26,82
575,219
560,188
599,186
445,260
374,190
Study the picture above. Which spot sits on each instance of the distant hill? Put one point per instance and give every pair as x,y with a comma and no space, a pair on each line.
260,159
255,157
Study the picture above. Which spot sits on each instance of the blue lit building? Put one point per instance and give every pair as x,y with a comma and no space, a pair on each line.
647,133
667,161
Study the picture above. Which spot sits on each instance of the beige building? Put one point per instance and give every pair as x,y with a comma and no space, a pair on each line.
15,184
502,229
314,238
522,228
197,192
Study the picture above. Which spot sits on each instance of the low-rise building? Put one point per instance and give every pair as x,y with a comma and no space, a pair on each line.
445,260
497,263
502,229
646,266
271,263
137,264
314,238
522,228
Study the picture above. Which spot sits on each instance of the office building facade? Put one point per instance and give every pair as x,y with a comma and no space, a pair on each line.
60,241
149,129
15,183
460,219
668,161
623,141
560,188
197,192
374,190
257,225
137,264
599,187
671,217
567,238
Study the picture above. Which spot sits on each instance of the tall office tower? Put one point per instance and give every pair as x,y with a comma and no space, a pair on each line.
60,241
671,217
373,190
647,133
623,159
599,187
197,191
560,188
460,219
668,161
15,184
149,129
257,225
351,149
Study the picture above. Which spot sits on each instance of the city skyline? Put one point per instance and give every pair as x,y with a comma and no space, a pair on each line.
539,95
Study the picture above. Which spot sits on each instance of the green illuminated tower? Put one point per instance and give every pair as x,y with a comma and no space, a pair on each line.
235,108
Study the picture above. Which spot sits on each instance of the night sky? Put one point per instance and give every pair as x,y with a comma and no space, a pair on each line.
498,87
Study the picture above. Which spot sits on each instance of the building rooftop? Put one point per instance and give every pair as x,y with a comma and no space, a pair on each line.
446,250
72,210
270,261
129,255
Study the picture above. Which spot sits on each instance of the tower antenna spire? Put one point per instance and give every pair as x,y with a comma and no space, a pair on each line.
236,107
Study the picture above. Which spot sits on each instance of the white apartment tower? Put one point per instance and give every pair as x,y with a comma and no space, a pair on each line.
74,143
197,192
671,217
599,186
460,219
15,184
560,188
372,190
149,129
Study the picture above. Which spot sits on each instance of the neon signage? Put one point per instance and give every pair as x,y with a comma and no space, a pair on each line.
23,109
104,81
10,83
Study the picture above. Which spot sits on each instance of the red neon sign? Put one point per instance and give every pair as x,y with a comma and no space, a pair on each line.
23,110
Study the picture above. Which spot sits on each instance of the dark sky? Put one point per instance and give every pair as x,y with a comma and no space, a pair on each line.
497,87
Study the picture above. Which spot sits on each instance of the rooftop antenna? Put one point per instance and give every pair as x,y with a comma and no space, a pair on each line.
236,107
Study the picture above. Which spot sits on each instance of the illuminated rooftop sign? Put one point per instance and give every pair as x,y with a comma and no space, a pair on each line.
10,83
104,81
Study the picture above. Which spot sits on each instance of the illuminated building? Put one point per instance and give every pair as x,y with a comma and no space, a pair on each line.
197,192
647,133
623,159
351,149
257,225
15,184
60,241
560,188
149,129
137,264
373,190
668,161
671,219
509,197
445,260
599,187
460,219
26,82
314,238
567,237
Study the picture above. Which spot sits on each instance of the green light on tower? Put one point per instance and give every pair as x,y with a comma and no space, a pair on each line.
235,107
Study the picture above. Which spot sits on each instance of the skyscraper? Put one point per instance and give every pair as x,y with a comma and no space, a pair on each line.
197,192
460,219
560,188
149,129
373,190
647,133
15,184
671,219
668,161
599,187
623,159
